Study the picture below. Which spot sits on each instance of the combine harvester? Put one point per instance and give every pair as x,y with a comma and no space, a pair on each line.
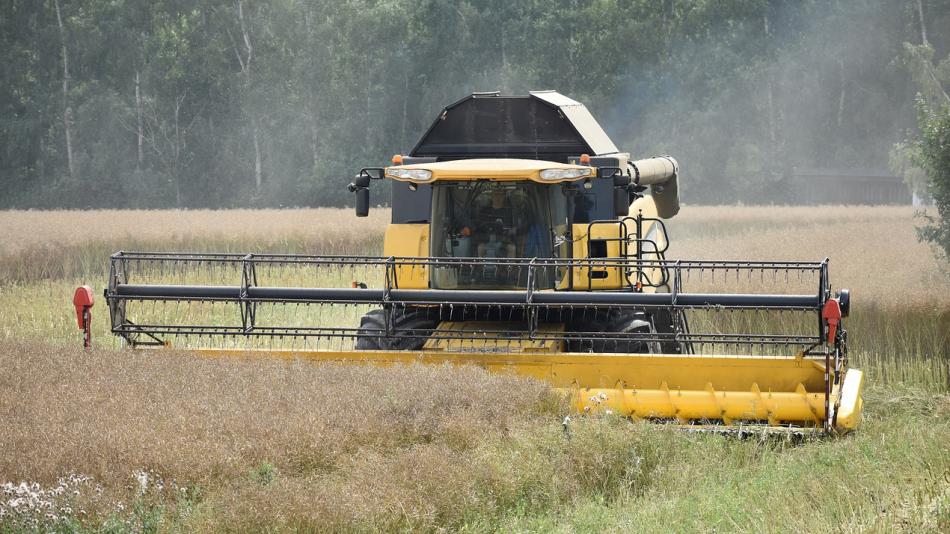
523,241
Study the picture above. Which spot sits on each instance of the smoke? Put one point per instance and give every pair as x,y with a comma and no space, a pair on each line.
745,102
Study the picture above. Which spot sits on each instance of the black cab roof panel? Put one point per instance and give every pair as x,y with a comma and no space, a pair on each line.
543,125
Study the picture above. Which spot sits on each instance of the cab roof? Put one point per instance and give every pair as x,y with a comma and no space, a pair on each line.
543,125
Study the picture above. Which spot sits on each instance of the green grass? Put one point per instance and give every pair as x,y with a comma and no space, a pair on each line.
894,474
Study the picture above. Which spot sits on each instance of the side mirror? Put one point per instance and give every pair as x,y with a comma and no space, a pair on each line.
362,202
360,186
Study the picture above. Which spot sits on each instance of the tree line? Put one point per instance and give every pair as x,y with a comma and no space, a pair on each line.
221,103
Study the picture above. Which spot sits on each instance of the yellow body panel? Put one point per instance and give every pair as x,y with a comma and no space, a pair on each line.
491,169
733,389
596,277
851,403
408,240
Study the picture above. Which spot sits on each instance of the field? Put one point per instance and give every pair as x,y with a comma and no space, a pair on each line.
117,441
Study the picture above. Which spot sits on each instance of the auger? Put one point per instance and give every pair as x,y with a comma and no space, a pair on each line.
523,241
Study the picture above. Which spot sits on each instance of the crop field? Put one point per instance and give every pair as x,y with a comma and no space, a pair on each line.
122,441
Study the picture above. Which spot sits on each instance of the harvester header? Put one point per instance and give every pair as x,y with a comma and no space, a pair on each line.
523,241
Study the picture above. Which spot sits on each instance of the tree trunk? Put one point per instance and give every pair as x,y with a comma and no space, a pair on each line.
770,93
923,26
842,93
138,116
405,110
258,167
312,95
314,135
504,60
67,109
176,151
245,62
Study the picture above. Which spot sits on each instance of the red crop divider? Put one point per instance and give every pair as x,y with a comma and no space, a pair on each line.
83,302
832,316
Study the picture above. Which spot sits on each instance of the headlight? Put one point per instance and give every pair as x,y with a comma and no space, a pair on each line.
415,175
564,174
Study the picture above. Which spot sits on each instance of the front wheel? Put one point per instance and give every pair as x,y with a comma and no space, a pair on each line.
660,325
410,329
610,323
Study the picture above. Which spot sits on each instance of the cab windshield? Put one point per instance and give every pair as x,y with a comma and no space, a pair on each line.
495,220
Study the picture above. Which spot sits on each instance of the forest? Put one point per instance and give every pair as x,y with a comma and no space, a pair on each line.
269,103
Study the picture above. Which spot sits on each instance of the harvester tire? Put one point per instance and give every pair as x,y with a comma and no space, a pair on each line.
613,322
411,328
625,321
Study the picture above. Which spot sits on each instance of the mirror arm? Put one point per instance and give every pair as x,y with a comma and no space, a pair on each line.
608,172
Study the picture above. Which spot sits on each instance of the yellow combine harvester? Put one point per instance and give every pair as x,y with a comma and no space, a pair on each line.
523,241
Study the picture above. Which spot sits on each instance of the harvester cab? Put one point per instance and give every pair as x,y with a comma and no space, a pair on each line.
523,241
